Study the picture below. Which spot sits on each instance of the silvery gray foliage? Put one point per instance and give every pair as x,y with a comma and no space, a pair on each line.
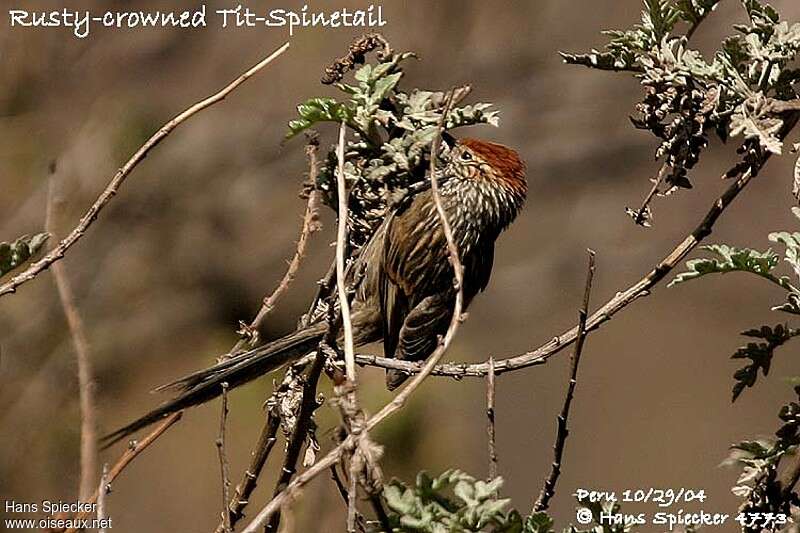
759,483
452,502
456,502
688,96
392,132
726,259
12,255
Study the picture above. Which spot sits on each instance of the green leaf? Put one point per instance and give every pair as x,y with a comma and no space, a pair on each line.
385,85
539,523
759,12
451,502
729,259
759,353
752,448
659,17
694,11
318,110
15,254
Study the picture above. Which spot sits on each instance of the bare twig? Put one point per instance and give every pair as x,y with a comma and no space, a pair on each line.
352,511
86,383
224,467
339,484
619,302
345,494
132,452
309,227
562,432
102,492
247,485
784,106
347,324
113,187
380,512
642,216
341,249
402,397
490,427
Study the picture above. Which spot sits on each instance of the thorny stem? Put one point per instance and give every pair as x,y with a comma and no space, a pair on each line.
224,467
259,455
549,488
102,492
309,227
490,428
642,215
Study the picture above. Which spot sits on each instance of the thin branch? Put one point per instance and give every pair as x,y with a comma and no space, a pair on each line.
224,467
380,512
490,427
400,399
341,245
259,455
347,324
339,484
113,187
345,494
784,106
309,227
619,302
102,492
132,452
549,488
83,358
351,499
642,216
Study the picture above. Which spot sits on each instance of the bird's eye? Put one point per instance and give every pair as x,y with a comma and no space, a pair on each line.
466,156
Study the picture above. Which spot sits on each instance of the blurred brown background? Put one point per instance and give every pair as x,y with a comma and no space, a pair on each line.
203,226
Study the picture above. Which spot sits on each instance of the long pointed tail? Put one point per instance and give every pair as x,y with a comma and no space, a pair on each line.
205,385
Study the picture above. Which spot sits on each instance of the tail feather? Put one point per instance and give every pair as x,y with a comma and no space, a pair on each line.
188,381
205,385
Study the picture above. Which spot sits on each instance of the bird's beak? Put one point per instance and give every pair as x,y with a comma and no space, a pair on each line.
449,139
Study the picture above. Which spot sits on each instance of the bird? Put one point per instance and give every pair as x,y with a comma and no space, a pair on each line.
404,294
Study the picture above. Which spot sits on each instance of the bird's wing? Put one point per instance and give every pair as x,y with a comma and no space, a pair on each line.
414,265
483,260
392,293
